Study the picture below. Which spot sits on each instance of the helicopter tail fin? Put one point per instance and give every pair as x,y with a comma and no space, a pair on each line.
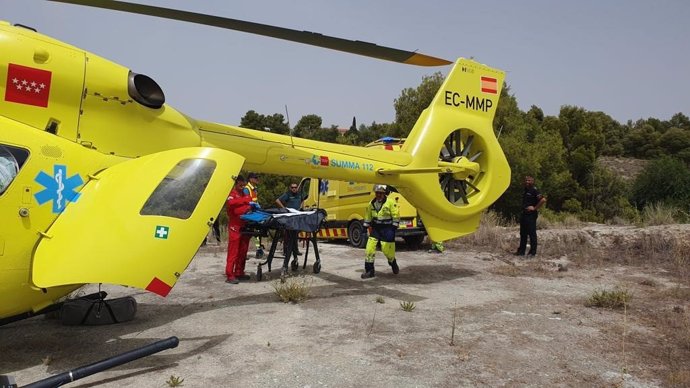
458,168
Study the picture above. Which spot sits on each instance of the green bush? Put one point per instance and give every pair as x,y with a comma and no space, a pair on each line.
664,180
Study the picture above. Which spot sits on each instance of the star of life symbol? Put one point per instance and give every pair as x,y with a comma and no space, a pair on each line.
323,187
58,188
162,232
28,86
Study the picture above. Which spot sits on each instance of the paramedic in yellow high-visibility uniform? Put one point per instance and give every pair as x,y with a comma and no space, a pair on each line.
381,219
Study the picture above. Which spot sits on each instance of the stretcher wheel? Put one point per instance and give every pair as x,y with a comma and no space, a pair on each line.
317,267
259,274
294,265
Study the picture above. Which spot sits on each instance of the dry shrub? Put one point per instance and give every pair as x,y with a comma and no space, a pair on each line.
681,258
490,232
618,221
575,245
615,299
571,222
294,289
660,247
559,221
659,214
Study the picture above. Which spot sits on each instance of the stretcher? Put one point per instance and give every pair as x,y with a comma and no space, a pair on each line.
285,225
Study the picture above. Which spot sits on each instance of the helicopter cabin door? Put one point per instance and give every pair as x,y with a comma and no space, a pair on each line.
138,223
43,82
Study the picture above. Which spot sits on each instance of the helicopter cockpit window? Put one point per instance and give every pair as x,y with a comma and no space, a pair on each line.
179,192
11,161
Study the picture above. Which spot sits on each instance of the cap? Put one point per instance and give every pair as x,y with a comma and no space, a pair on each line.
379,188
239,178
252,175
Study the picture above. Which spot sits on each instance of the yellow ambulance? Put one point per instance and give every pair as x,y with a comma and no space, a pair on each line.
345,203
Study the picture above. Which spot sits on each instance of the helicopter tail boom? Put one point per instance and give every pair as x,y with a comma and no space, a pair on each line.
450,168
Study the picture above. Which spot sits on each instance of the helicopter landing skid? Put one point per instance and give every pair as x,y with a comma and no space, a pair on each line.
94,309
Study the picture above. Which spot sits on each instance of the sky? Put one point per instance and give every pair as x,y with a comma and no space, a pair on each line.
627,58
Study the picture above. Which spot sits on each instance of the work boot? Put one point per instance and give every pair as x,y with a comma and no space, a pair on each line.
394,266
368,271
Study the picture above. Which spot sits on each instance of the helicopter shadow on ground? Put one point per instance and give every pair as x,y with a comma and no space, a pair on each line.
39,340
384,282
60,348
400,245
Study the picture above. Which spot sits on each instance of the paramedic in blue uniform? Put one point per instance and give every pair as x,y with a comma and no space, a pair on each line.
381,218
532,200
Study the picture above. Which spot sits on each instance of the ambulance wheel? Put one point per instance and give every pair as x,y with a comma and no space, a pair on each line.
357,234
259,274
317,267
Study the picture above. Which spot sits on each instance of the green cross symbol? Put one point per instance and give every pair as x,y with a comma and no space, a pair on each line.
162,232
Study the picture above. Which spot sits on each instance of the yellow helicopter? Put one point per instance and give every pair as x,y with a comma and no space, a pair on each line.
102,182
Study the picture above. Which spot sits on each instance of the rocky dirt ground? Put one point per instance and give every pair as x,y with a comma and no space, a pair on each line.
482,317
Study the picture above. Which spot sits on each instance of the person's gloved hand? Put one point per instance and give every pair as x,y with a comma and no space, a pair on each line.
254,205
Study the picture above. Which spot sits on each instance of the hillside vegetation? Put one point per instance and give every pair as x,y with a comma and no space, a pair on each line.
586,163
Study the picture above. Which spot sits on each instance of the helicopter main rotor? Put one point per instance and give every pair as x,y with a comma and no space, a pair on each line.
306,37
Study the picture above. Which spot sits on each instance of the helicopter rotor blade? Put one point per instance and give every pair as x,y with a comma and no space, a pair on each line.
468,144
306,37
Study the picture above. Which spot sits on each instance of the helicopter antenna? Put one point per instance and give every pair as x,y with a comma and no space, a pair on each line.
287,115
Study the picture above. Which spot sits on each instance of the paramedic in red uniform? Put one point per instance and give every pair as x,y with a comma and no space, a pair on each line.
238,203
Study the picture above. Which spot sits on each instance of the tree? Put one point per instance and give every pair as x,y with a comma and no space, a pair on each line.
252,120
643,142
274,123
411,102
680,120
664,180
674,141
307,126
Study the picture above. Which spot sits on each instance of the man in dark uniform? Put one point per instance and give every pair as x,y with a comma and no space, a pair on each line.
532,200
293,200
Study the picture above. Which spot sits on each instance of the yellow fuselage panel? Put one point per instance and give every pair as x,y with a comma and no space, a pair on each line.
83,97
113,122
41,80
24,218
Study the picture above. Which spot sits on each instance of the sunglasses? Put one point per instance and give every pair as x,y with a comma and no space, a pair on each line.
293,187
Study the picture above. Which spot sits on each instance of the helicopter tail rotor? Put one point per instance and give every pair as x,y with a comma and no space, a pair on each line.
458,168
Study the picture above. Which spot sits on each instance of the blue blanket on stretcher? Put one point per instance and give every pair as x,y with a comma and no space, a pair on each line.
288,219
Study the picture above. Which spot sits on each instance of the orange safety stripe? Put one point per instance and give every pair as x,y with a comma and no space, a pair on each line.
327,233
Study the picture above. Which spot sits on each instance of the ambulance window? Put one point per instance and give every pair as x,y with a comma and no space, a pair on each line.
304,188
11,161
179,192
